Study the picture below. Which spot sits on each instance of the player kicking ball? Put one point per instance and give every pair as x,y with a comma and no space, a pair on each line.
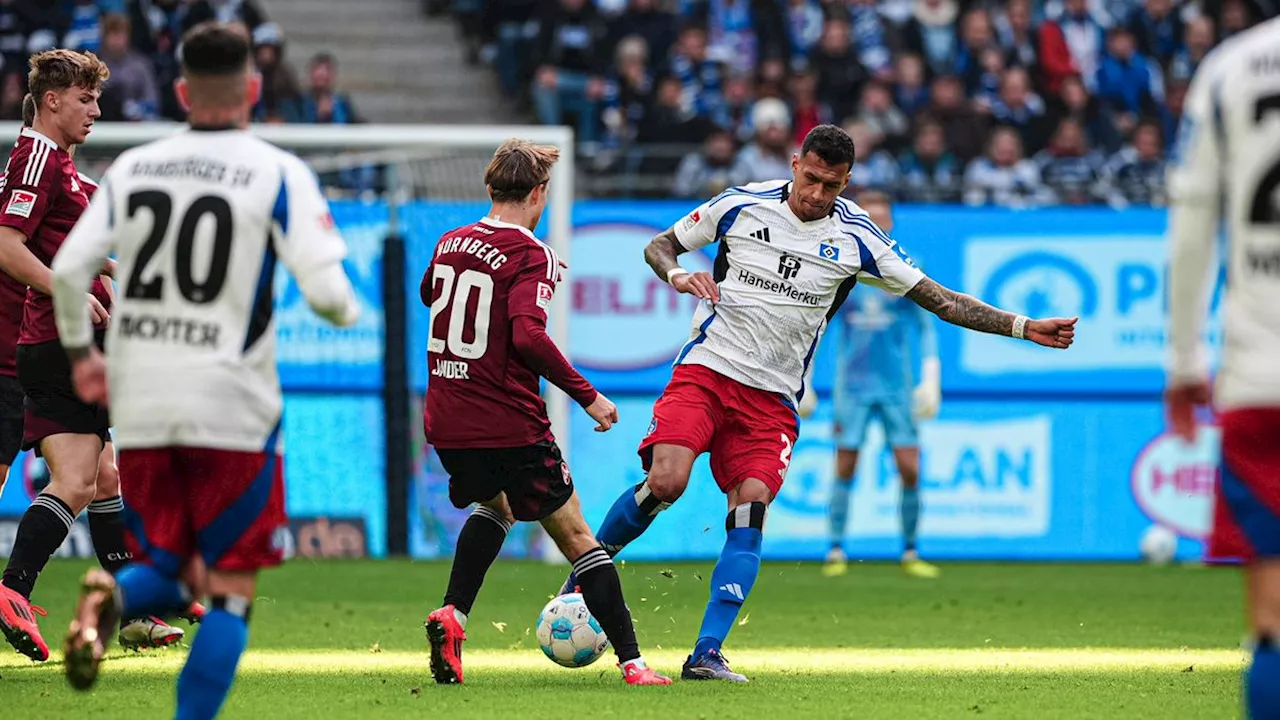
1230,148
789,253
489,286
198,221
874,377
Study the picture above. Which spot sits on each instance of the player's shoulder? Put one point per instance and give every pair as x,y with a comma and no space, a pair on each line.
1227,58
852,220
749,193
29,160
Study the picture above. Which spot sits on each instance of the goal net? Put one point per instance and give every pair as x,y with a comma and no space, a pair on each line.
393,190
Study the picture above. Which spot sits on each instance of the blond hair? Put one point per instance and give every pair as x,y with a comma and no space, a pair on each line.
59,70
517,167
28,110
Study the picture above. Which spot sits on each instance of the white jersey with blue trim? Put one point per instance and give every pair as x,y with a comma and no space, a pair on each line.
197,222
781,280
1228,170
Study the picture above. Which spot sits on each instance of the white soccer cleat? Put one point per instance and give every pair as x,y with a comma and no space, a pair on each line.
149,632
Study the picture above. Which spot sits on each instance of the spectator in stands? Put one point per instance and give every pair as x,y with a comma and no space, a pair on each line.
985,88
667,125
807,112
735,111
1199,41
869,37
931,34
700,78
644,18
976,35
768,157
1157,30
84,26
1056,62
965,128
133,80
927,172
628,92
1068,167
19,19
323,104
804,25
882,117
1128,84
704,174
874,169
1084,38
1020,108
281,96
1075,102
910,93
1016,36
572,59
1235,16
12,89
515,27
1135,175
245,11
840,75
157,30
1004,178
773,77
743,33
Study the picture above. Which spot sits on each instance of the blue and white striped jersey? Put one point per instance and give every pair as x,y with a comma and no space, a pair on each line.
781,281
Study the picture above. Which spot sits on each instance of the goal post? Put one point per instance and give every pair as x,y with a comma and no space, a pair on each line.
416,163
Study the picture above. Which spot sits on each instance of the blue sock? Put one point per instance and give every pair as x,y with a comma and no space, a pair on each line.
632,513
733,576
1262,684
147,591
211,667
910,510
839,511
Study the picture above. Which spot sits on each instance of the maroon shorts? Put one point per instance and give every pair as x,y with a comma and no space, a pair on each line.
1246,513
749,432
227,505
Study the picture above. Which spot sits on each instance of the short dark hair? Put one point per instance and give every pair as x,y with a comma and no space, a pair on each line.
214,48
831,144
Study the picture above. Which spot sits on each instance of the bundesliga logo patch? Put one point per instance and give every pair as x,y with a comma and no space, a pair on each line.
544,295
830,252
692,220
21,203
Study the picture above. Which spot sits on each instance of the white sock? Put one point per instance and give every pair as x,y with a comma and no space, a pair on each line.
638,664
461,617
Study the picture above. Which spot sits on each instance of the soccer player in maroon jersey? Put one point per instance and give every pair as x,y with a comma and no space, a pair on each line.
42,197
489,286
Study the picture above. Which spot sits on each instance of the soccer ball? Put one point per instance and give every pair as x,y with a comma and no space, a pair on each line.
568,634
1159,544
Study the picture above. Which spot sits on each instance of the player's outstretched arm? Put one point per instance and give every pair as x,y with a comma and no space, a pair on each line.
537,349
970,312
662,252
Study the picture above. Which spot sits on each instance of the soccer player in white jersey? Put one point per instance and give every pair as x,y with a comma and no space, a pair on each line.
198,221
789,252
1228,169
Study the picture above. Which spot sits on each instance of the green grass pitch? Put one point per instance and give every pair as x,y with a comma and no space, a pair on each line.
345,640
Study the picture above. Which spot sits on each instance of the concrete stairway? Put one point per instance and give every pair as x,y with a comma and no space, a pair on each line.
399,65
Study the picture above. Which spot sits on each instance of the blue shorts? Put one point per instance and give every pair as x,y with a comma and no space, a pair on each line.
852,417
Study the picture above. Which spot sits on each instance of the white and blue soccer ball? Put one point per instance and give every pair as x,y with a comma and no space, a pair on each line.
568,634
1159,545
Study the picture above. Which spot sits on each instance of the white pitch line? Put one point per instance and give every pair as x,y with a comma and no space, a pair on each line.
788,660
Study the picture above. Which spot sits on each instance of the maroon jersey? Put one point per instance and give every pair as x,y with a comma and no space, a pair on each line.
43,196
484,281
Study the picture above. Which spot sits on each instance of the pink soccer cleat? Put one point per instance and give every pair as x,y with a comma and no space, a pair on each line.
18,622
446,636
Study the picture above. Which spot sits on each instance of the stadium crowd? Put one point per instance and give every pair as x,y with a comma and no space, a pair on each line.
139,39
1003,102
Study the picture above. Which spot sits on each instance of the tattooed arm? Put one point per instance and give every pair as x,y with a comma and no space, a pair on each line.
661,254
969,312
